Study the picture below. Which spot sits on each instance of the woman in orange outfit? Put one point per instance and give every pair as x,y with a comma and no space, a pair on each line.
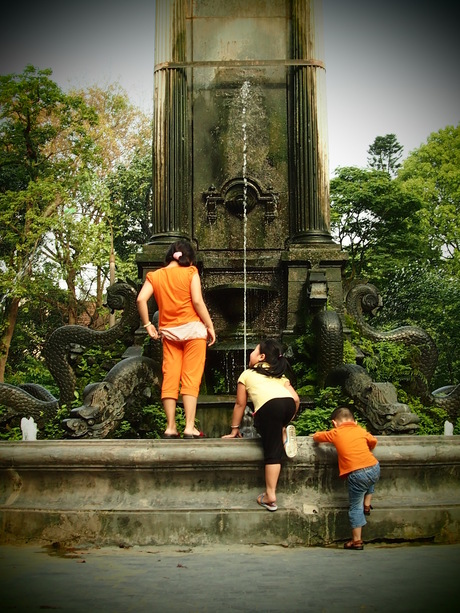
185,328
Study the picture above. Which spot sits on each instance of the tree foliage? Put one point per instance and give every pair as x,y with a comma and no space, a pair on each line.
428,296
432,174
375,221
130,191
83,242
402,234
385,153
43,150
60,156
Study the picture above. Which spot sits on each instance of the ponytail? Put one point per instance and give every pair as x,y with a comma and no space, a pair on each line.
278,364
182,252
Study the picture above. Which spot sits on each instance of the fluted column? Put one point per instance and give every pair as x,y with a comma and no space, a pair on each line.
309,211
171,182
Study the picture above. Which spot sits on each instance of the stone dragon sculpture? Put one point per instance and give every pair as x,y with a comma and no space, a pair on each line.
377,402
365,299
27,400
103,401
61,343
104,404
328,329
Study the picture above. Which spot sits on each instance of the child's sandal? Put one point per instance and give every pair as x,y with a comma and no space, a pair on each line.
354,545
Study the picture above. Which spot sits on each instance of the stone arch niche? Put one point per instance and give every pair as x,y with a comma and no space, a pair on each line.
239,197
240,115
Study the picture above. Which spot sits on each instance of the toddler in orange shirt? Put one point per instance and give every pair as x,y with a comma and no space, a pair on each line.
357,464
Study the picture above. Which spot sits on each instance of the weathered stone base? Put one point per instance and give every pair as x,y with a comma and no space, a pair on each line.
201,492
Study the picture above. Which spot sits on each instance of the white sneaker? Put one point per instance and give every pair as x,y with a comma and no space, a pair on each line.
290,446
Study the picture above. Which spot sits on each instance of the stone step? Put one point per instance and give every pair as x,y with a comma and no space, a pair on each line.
202,491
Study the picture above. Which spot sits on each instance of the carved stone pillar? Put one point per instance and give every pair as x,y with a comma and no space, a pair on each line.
309,212
171,183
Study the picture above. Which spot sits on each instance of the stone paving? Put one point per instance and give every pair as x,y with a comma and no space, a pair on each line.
239,578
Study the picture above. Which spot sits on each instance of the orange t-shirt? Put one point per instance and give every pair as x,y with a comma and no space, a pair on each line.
353,444
171,289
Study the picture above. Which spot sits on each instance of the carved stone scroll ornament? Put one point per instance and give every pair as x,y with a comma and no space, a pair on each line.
28,400
233,196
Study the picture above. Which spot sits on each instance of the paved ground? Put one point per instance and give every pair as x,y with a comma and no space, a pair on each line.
387,579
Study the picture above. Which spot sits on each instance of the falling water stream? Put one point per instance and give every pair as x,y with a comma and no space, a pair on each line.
244,97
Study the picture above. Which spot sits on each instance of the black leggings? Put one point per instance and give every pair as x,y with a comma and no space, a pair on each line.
269,421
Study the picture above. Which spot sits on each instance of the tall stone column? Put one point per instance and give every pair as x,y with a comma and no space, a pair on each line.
309,172
171,182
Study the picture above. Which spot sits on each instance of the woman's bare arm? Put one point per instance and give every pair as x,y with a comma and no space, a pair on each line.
201,308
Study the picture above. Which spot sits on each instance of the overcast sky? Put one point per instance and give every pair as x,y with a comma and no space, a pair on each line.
392,67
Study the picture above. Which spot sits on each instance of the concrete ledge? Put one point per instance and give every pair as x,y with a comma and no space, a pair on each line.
203,491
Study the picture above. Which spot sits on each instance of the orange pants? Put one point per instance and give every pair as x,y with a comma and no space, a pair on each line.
183,364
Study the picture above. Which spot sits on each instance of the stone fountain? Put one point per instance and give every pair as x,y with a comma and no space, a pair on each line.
240,168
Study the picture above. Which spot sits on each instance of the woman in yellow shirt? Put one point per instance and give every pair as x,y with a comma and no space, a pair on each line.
275,405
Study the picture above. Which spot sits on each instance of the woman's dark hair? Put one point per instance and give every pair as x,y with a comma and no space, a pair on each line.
185,248
277,363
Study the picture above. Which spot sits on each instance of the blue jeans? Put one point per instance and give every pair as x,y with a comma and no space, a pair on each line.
360,483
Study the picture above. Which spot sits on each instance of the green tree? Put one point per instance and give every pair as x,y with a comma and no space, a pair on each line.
432,173
403,234
130,190
58,158
121,186
81,245
375,221
385,153
427,296
43,149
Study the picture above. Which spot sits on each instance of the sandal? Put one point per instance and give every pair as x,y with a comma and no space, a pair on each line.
354,545
200,435
270,506
367,509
